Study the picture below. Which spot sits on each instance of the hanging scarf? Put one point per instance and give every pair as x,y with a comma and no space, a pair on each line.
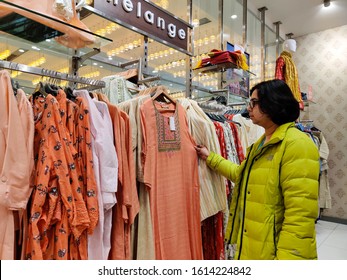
291,75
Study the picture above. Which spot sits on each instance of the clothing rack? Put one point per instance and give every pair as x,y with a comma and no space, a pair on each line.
140,71
237,104
50,73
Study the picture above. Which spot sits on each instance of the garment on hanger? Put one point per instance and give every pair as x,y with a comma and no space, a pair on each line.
16,162
127,206
324,185
143,229
249,132
324,196
213,199
116,89
132,75
161,94
132,108
212,187
106,171
174,196
27,118
58,213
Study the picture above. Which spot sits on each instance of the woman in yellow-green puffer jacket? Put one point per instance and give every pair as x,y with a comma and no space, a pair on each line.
275,200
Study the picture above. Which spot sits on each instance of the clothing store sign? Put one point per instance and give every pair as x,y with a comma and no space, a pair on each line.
146,18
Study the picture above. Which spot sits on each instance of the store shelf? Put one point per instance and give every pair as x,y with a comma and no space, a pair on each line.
222,67
50,44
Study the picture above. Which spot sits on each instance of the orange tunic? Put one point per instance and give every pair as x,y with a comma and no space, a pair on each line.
171,173
127,205
83,145
57,207
77,124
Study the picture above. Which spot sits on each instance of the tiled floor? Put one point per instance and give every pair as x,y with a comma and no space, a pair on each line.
331,241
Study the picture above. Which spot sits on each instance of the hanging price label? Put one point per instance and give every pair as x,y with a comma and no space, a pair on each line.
172,124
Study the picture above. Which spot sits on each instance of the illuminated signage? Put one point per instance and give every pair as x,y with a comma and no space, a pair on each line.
147,19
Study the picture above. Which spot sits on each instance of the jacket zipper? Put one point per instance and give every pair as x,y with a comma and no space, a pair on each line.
275,234
238,197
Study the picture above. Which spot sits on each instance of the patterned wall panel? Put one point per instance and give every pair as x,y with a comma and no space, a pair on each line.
321,60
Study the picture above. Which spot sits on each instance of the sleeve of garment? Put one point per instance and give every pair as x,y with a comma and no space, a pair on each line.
85,151
134,209
148,162
143,141
108,164
14,155
299,181
279,72
323,149
225,167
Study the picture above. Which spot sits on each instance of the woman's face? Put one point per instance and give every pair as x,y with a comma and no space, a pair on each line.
256,114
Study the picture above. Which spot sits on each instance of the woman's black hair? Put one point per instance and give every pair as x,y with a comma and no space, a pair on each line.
277,101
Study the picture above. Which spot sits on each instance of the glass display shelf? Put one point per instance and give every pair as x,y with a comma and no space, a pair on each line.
203,93
222,67
24,27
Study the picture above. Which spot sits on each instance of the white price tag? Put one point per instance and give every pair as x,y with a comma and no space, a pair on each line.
172,124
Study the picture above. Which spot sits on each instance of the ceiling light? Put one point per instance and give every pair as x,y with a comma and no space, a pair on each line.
326,3
234,16
195,22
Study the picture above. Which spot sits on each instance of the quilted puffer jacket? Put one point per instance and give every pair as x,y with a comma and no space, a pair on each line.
275,200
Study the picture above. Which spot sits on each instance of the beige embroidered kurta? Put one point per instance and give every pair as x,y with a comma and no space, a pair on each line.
212,186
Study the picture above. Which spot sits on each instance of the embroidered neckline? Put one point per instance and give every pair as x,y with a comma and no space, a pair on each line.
167,140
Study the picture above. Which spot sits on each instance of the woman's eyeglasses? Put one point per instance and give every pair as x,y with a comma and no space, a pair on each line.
252,102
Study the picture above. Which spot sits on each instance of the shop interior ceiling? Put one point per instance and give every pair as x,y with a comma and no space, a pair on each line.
302,17
298,17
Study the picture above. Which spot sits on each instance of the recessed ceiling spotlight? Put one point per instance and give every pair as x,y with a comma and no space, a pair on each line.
326,3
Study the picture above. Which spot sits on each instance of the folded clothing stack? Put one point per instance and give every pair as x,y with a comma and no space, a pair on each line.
219,57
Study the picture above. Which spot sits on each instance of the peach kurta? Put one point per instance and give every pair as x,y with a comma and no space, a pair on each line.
127,200
171,174
15,163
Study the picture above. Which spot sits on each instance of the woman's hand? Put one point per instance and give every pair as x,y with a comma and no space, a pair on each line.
202,151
